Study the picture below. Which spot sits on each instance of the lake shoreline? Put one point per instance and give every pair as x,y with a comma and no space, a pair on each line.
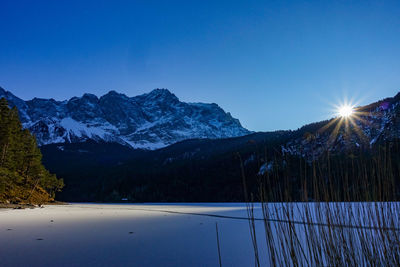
18,206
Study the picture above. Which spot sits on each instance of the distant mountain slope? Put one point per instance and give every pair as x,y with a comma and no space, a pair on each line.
374,123
147,121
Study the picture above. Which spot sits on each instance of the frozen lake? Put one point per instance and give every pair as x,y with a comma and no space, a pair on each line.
127,235
185,234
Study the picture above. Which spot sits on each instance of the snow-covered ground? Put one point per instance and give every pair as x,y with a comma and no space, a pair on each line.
126,235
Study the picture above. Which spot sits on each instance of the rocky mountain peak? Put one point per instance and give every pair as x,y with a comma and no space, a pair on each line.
158,95
90,97
149,121
113,95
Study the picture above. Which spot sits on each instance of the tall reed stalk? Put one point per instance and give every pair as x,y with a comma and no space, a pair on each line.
347,214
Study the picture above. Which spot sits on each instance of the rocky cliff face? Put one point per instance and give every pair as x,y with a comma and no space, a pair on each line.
147,121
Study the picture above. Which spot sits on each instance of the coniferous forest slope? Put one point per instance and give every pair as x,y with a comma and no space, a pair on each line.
213,171
23,178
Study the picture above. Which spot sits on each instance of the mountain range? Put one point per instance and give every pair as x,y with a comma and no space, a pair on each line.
149,121
194,152
158,119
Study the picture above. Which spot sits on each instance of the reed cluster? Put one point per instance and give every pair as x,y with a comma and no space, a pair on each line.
335,211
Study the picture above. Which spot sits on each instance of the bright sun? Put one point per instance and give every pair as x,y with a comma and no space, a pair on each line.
350,117
345,111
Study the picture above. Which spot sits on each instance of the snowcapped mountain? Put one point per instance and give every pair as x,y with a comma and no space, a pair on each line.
149,121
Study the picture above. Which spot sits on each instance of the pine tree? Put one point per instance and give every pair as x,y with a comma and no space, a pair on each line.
22,173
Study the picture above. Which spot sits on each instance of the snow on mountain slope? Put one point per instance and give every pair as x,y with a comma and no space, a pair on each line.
147,121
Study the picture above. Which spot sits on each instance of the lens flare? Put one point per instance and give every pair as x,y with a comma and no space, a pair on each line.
346,123
345,111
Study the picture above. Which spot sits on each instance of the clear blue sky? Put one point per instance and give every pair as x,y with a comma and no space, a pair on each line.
272,64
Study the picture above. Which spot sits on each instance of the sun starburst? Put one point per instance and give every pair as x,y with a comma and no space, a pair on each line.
345,111
347,120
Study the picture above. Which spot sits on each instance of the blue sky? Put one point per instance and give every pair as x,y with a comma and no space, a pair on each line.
272,64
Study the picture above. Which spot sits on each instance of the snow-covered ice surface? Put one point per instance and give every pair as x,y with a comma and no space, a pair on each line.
125,235
173,234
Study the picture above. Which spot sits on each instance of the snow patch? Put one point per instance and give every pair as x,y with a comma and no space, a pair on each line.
83,130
